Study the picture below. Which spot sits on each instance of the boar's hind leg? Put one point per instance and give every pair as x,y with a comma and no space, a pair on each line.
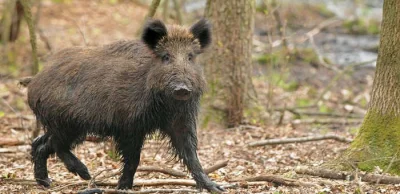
41,150
184,140
130,149
73,164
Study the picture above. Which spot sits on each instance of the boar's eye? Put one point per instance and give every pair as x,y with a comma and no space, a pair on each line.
166,58
190,57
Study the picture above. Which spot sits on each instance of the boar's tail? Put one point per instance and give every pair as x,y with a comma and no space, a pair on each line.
25,81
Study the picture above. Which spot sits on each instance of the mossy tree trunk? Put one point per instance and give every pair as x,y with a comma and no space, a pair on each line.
228,65
378,140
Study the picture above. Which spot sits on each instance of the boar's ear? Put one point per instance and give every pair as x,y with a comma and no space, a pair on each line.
153,31
202,31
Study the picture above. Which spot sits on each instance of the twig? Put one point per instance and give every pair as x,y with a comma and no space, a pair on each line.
93,179
162,170
341,175
217,166
299,140
281,181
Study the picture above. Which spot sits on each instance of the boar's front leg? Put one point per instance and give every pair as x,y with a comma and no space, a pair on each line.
129,148
182,132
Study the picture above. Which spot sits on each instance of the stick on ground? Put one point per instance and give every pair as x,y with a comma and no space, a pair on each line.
299,140
280,181
342,175
171,172
215,167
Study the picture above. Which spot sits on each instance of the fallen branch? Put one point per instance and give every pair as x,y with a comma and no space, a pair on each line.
98,191
280,181
217,166
342,175
299,140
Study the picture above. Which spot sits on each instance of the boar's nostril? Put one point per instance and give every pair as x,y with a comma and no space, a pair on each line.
181,93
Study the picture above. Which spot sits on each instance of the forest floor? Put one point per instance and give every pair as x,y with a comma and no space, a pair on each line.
313,105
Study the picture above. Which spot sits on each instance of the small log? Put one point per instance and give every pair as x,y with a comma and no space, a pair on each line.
299,140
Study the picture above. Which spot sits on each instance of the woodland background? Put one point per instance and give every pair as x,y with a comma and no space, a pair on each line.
305,69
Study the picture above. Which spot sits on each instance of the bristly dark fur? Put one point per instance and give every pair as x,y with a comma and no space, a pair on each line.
127,91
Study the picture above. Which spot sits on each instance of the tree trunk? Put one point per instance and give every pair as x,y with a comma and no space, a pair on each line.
228,66
378,140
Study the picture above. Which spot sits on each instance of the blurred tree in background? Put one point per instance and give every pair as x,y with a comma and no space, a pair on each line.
228,66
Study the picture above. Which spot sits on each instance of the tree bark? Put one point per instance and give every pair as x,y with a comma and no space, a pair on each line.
378,140
228,67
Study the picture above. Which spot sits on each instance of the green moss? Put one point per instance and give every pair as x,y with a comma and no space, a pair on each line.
377,143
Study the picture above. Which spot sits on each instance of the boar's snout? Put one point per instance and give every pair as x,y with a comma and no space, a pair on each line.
181,92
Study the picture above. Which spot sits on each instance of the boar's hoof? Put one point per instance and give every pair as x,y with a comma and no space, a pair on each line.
124,186
213,187
81,170
84,174
46,182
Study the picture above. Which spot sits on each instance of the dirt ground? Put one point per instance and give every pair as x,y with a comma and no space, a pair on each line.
100,22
